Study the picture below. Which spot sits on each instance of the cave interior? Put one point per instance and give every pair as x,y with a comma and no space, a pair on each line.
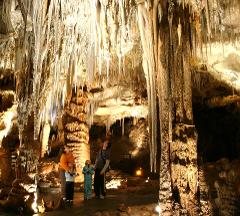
161,78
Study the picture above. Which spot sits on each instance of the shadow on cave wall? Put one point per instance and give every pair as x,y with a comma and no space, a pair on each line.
218,132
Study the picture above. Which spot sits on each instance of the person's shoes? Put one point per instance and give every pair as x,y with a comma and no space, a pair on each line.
67,203
97,197
63,203
102,197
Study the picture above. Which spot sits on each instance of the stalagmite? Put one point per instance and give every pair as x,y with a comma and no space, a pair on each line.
76,131
45,138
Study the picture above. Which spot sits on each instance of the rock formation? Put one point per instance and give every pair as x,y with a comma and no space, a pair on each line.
146,59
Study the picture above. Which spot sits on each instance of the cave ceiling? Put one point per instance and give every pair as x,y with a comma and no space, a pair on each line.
97,44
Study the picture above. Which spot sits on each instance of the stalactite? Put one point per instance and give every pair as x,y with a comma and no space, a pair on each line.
149,70
53,44
113,20
23,81
5,17
56,45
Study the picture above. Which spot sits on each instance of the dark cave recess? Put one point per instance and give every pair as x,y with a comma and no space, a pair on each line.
121,146
218,132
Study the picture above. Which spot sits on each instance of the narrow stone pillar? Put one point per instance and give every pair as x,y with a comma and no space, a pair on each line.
45,138
76,131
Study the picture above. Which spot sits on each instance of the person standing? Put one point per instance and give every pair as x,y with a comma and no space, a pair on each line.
101,165
88,171
66,158
70,178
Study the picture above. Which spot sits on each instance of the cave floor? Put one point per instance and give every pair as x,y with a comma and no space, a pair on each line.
137,197
117,202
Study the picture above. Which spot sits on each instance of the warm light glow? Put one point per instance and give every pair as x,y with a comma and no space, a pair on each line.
135,152
41,208
139,172
26,198
45,137
147,180
158,209
114,183
32,175
34,204
30,188
6,119
37,208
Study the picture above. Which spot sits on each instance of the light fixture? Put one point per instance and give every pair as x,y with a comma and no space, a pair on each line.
139,172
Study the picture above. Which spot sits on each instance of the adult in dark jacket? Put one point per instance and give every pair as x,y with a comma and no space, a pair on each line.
101,165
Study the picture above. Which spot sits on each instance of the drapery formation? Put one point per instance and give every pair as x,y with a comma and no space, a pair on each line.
49,49
166,36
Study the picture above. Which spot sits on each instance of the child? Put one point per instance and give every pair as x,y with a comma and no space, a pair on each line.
88,171
70,177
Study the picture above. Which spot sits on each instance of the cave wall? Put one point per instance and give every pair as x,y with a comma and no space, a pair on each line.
218,132
219,186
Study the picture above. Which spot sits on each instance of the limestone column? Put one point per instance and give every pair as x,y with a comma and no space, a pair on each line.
166,32
76,131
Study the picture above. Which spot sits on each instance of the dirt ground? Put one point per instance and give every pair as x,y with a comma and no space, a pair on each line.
116,203
134,197
137,196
